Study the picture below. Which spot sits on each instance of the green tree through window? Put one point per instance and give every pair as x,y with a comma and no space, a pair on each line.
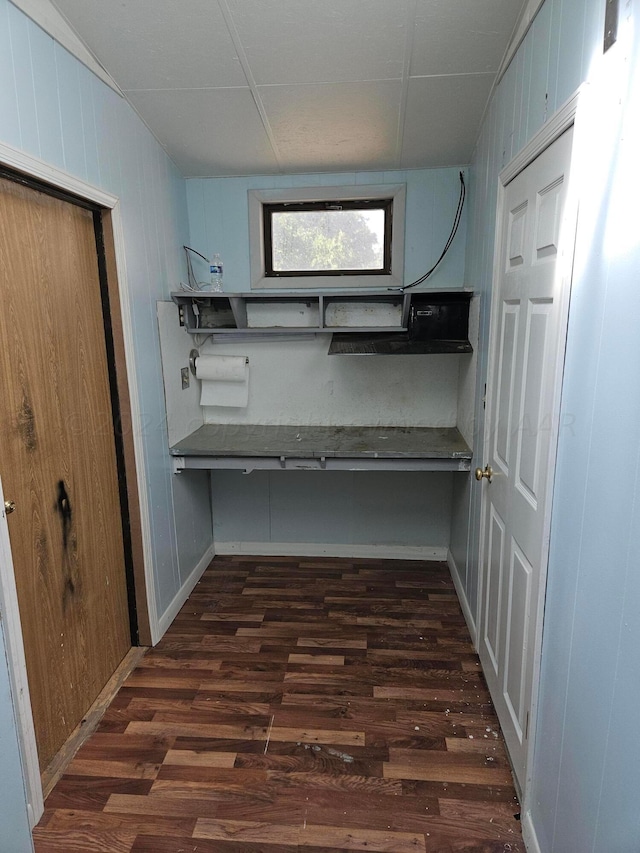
318,240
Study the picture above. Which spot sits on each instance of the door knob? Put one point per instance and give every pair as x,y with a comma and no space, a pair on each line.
487,474
9,507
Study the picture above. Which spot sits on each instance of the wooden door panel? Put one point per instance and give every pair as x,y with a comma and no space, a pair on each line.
58,459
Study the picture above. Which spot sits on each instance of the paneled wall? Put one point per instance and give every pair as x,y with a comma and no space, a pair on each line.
586,774
351,513
53,108
592,636
297,382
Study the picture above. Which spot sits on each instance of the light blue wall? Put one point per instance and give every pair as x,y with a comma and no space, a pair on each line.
344,508
14,823
53,108
219,219
586,772
586,798
259,508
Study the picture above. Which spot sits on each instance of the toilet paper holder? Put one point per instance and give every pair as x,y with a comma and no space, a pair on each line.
194,355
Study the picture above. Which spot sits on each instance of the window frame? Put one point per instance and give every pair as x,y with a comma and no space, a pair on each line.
268,209
395,194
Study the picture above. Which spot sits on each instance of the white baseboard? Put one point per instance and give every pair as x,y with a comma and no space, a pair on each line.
183,593
464,604
313,549
529,834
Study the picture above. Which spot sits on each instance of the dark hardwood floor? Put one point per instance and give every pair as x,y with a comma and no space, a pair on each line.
298,705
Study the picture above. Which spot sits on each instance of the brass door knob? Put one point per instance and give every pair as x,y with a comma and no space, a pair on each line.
487,474
9,507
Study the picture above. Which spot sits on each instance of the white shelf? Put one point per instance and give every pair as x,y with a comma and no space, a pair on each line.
378,322
298,312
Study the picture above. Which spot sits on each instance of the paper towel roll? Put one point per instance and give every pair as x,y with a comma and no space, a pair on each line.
224,380
222,368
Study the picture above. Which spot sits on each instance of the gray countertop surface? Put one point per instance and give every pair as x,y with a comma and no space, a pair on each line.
327,441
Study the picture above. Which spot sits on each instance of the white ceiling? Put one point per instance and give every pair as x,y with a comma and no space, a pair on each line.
241,87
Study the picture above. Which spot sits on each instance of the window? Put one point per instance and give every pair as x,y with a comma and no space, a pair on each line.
323,237
328,237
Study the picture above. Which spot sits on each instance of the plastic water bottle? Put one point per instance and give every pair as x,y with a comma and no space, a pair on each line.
216,273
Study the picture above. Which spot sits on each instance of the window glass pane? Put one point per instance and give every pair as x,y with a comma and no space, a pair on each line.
316,240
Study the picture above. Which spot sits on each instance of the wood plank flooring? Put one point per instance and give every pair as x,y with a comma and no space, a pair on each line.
297,705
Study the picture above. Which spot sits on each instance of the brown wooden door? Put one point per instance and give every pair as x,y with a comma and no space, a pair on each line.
58,459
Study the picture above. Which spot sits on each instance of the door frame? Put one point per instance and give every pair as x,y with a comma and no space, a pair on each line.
133,453
561,121
18,674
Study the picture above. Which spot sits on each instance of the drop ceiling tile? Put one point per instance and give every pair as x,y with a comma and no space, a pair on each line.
462,37
208,132
168,45
335,126
289,41
443,119
328,72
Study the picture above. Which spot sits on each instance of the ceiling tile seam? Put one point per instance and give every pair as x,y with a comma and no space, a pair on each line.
244,62
458,74
410,22
192,89
331,83
372,80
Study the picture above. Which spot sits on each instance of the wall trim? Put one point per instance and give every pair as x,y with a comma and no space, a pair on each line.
315,549
136,418
19,683
257,198
555,126
529,834
19,160
464,603
523,26
48,18
184,592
